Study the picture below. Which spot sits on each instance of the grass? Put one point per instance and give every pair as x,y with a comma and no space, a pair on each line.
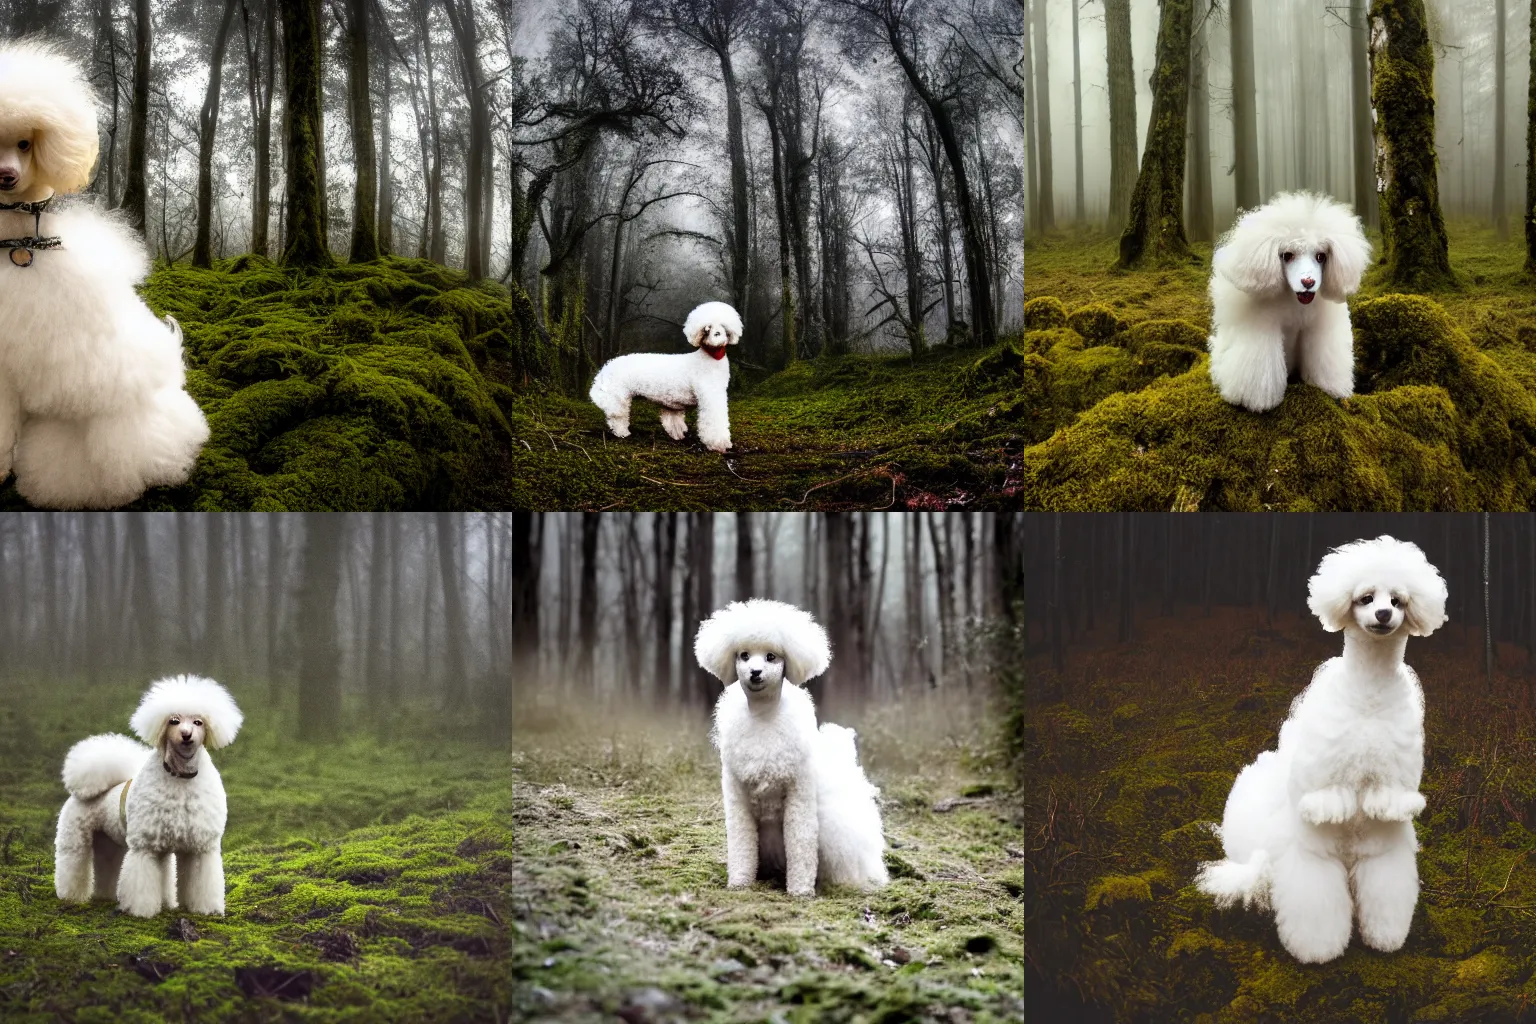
850,432
381,869
618,862
1133,750
1122,413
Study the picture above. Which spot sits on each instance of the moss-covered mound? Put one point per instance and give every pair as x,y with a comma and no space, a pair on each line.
1126,417
369,386
847,432
1132,757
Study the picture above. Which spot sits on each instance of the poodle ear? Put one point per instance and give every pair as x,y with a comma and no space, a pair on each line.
1251,260
1348,254
696,338
1426,598
64,156
1330,593
807,651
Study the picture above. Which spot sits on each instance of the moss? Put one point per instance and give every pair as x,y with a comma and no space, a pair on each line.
1044,313
1095,322
1117,889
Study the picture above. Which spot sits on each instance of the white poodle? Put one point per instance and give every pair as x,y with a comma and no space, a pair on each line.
675,382
797,804
156,801
1330,813
1265,277
92,403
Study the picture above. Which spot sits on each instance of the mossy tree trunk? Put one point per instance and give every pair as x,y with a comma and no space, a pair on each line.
1201,215
136,191
1402,89
1047,215
305,244
365,232
477,247
1031,136
1122,110
207,129
260,55
1530,157
1245,129
386,175
1154,232
1360,115
1079,208
1500,128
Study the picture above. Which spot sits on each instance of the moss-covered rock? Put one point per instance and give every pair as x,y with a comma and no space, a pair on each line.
1095,322
1044,313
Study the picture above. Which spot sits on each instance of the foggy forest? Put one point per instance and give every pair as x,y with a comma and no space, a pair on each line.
1149,127
619,840
367,789
1162,655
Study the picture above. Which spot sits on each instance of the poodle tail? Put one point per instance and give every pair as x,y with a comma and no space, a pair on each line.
850,840
1230,881
95,765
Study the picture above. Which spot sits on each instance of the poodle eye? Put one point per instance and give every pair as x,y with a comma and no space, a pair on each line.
1322,258
1396,603
745,655
1286,257
24,145
199,722
175,721
1366,599
770,658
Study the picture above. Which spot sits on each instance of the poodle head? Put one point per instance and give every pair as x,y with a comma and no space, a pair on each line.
48,138
1377,587
761,644
181,715
1299,243
713,325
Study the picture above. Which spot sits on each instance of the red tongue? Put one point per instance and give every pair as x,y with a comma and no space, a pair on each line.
715,353
1305,297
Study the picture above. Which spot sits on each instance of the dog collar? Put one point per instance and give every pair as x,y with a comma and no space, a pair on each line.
22,248
180,775
714,353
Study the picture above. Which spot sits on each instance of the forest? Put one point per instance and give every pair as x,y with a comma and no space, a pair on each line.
401,235
367,850
1163,652
1150,127
618,833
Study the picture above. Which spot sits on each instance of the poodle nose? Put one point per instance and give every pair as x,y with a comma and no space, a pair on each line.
1383,615
7,181
1308,282
757,673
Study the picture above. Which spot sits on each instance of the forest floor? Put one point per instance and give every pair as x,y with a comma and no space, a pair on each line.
847,432
1123,414
1132,751
371,878
619,870
399,385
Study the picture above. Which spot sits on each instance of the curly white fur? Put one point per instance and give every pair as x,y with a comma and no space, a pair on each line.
1279,279
1321,830
93,407
675,382
160,846
797,803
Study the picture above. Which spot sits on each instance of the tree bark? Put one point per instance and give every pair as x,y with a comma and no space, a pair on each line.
1362,144
456,633
208,126
1201,215
319,654
477,245
1245,132
1530,158
1122,110
146,623
365,228
1047,212
379,569
136,191
525,599
586,616
386,172
1080,207
305,244
1416,253
259,90
1500,128
664,546
744,575
1155,231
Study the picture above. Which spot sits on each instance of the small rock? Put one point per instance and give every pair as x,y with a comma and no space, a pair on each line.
542,995
729,969
184,930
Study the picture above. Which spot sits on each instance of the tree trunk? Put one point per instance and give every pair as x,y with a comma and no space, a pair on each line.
305,244
386,173
136,192
259,89
1155,231
525,599
1362,145
378,572
1500,129
207,128
1122,110
586,617
1201,214
701,535
1402,88
456,633
740,225
1047,210
786,290
1031,134
1245,132
1080,209
215,591
319,655
477,245
274,602
146,622
744,576
365,228
1530,158
664,545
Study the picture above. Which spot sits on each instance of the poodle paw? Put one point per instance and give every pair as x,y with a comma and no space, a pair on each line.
619,429
1391,805
803,890
1326,806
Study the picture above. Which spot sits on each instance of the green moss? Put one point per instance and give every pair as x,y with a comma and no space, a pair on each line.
1044,313
1095,322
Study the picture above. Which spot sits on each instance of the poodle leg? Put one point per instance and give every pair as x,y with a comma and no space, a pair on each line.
800,838
141,883
714,422
1248,366
52,467
200,881
1328,351
1386,804
1329,805
72,853
1310,895
168,876
1386,891
10,427
107,861
673,423
154,444
740,835
616,408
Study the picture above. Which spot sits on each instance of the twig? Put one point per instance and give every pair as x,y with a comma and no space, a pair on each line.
829,483
670,483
